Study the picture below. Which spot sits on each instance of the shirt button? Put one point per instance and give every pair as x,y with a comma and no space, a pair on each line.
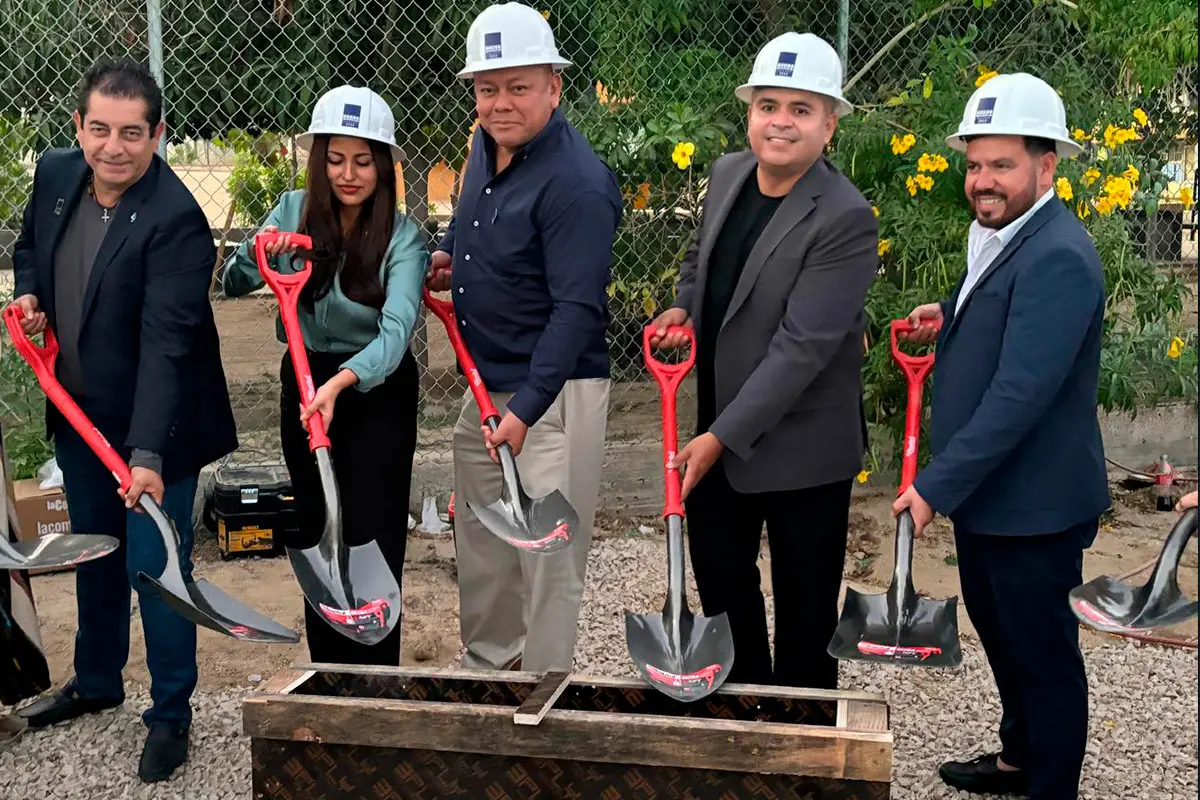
461,290
487,191
475,223
467,257
462,322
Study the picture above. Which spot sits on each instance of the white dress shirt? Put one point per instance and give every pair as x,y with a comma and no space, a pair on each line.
984,244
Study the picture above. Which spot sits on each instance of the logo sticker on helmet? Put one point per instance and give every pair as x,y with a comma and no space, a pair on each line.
985,110
351,115
491,45
786,65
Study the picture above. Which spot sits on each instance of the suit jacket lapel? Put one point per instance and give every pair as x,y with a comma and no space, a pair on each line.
1044,214
794,208
722,202
124,218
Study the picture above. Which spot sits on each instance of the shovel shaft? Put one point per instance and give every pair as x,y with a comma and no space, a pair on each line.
673,610
669,376
41,360
287,289
916,369
444,310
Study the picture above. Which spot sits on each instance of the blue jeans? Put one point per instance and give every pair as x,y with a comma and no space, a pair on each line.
103,587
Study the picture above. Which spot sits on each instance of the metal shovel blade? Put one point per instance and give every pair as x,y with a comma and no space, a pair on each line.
55,550
1113,606
684,656
899,627
351,587
201,602
540,525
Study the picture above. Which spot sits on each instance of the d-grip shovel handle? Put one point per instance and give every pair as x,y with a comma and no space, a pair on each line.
916,369
41,359
444,310
287,288
669,376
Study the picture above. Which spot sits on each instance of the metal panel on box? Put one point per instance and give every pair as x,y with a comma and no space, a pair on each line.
334,732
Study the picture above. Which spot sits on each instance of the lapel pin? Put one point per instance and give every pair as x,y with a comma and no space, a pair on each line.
58,207
133,217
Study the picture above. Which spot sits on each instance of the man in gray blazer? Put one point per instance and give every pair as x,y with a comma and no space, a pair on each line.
774,283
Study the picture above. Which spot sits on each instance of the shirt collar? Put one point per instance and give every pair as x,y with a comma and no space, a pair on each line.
1006,234
489,144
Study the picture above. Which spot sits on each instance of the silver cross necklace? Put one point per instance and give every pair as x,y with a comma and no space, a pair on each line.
92,190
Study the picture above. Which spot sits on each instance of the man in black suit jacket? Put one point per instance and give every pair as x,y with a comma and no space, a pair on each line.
775,284
116,256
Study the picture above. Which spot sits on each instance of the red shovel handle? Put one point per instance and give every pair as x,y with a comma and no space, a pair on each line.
916,369
41,359
444,310
669,376
287,288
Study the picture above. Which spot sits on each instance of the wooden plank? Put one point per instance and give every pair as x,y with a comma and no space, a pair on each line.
815,750
284,682
864,716
508,676
542,698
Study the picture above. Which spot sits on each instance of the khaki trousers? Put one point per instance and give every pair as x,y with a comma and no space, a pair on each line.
514,604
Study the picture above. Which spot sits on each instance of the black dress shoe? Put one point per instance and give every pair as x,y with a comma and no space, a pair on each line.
63,705
981,775
165,751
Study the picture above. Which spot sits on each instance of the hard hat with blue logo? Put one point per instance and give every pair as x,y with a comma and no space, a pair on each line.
802,61
1016,104
353,111
510,35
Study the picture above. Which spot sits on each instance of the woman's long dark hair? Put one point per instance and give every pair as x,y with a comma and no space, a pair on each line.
357,255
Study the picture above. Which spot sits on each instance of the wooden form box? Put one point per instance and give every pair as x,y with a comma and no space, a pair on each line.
340,732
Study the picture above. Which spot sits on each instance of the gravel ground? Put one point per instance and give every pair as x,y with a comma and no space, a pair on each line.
1143,743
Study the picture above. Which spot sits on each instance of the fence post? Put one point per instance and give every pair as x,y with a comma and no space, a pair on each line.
154,34
843,33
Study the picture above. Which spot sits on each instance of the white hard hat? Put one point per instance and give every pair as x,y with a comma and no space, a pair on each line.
801,61
1017,104
353,111
510,35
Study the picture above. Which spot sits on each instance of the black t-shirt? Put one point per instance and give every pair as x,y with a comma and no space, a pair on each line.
748,216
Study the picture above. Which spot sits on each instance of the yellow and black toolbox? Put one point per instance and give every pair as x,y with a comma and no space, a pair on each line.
252,507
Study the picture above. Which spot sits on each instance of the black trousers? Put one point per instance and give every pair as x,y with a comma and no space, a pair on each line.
373,437
1016,592
806,531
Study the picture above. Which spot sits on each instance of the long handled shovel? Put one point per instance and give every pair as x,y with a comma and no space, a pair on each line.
900,627
352,588
198,601
535,524
1109,605
681,655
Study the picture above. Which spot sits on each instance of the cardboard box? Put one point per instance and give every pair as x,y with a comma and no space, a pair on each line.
40,511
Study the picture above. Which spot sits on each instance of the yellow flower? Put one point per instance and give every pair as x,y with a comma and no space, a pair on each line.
1132,174
1063,188
884,246
1119,190
1185,197
985,75
924,181
1141,117
1104,206
875,211
911,185
682,155
1114,137
1081,210
1079,135
1176,348
862,476
935,163
902,144
1090,176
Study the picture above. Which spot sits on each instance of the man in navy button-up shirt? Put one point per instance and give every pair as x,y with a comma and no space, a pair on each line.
530,248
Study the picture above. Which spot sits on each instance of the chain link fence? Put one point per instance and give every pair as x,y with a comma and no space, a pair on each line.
241,77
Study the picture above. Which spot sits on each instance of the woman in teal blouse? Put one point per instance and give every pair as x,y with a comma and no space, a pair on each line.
356,312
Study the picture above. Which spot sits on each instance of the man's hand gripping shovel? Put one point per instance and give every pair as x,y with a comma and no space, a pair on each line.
1114,606
681,655
195,600
900,627
534,524
351,587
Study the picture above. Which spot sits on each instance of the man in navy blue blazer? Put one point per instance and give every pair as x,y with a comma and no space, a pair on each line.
1017,462
116,257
